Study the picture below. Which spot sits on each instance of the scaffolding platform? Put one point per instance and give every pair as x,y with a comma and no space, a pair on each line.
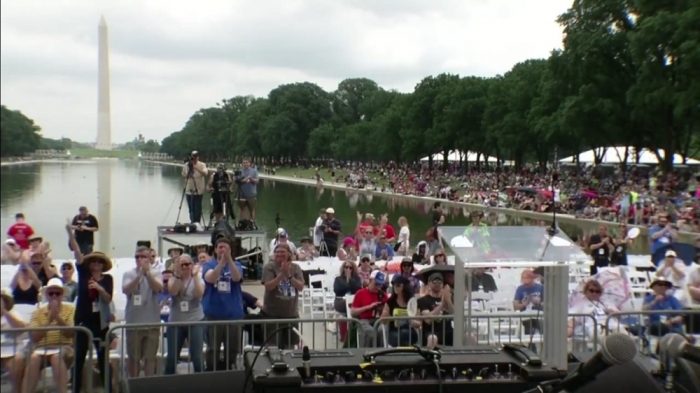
249,239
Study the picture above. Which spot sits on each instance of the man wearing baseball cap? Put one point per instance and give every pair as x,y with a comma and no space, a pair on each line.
673,270
282,238
331,230
438,301
195,172
367,306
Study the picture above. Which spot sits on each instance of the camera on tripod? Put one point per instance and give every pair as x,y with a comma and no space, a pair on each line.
189,160
238,177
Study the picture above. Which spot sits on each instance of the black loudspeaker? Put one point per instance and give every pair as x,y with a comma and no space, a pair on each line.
636,376
218,381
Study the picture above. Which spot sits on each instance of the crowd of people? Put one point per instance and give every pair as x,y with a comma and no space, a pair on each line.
633,194
198,296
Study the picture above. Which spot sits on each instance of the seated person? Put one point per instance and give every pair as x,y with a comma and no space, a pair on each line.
583,328
384,251
529,296
164,298
482,281
400,332
367,306
663,324
421,255
307,251
407,271
437,302
52,347
365,269
11,344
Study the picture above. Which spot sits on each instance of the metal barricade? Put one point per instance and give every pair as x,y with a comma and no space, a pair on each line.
218,344
648,326
489,328
26,360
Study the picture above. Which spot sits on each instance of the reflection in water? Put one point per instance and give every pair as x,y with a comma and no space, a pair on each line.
18,183
104,205
146,195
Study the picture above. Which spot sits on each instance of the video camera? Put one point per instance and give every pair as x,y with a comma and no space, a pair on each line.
238,177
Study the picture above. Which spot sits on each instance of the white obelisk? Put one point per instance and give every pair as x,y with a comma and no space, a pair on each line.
104,116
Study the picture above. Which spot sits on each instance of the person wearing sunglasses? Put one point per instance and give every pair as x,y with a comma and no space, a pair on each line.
67,274
187,289
347,283
593,303
31,275
49,347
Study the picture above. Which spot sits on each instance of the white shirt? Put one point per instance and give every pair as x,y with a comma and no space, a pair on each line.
693,280
318,235
667,273
404,235
583,326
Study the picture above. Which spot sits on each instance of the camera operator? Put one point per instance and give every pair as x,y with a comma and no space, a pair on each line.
331,230
195,171
248,186
220,187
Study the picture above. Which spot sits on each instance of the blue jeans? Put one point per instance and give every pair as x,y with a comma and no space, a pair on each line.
403,337
175,336
194,204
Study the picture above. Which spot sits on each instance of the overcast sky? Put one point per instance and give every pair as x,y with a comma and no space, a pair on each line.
170,58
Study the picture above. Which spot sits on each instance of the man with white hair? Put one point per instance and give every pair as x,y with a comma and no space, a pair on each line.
331,231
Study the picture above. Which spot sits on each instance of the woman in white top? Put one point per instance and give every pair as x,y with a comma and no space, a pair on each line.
11,344
404,235
582,328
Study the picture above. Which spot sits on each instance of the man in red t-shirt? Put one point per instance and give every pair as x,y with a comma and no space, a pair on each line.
367,306
20,231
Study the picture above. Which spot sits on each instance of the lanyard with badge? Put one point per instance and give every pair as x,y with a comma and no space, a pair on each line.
185,304
223,285
138,299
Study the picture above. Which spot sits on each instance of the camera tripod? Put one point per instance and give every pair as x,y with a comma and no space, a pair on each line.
190,175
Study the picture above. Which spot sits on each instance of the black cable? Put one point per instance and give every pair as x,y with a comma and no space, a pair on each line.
257,354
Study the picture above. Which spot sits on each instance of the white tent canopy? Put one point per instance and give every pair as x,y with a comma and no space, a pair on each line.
615,155
455,155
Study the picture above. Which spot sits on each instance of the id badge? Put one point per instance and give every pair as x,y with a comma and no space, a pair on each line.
95,307
599,311
619,249
601,251
137,300
224,286
663,318
481,288
184,306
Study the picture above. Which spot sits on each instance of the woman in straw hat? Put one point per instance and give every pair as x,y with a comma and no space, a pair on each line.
9,320
95,290
36,246
48,347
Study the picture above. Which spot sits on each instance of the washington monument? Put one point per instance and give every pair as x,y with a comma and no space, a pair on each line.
104,116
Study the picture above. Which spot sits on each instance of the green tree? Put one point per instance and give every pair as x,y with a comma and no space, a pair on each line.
18,133
627,76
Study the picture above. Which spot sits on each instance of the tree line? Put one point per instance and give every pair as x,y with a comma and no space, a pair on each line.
18,133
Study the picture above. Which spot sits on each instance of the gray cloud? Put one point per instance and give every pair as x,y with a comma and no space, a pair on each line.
169,59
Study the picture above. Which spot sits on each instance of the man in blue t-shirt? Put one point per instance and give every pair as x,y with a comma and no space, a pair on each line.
222,301
659,300
529,296
662,234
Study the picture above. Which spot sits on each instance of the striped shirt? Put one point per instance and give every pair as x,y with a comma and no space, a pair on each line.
40,318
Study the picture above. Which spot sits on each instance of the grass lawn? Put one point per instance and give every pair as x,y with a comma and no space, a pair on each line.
93,153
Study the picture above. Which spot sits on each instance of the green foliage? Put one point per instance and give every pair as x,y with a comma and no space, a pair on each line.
18,133
628,76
